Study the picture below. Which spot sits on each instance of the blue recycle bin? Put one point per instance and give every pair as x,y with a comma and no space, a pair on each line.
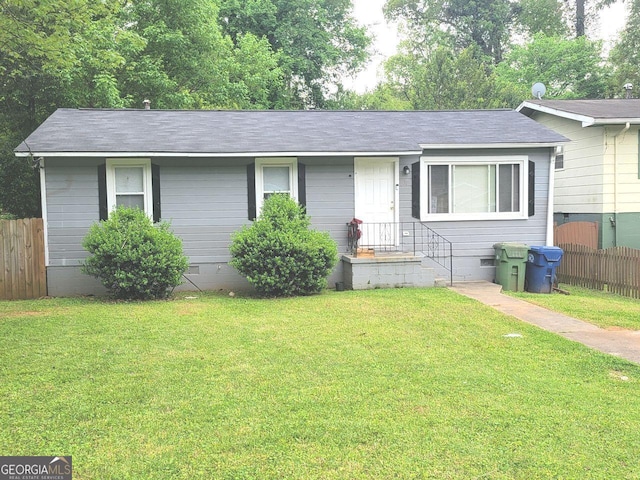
541,269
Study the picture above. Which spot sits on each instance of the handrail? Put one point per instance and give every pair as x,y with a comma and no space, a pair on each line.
400,237
440,250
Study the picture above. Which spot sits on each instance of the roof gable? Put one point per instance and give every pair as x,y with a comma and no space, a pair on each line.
589,112
208,132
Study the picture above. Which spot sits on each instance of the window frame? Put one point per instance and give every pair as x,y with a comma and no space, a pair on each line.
145,163
521,160
559,158
261,163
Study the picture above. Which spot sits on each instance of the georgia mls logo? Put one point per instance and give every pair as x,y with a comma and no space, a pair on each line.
35,468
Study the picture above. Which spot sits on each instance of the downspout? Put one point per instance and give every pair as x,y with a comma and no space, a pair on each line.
552,181
615,183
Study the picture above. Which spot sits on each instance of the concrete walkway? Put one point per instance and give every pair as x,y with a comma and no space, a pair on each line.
622,343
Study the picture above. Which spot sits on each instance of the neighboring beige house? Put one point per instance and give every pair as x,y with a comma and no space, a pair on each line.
597,174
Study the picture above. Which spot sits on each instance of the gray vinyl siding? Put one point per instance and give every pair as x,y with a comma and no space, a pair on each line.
72,206
330,195
204,200
473,240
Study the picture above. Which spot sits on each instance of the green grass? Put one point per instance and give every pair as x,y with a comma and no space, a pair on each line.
604,309
404,383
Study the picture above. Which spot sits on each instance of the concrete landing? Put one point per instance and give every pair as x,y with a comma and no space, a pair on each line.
622,343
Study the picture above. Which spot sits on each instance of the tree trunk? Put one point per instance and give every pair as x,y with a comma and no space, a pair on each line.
579,18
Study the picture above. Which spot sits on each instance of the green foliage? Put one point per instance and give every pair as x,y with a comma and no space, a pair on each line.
189,62
444,80
456,23
570,68
625,56
280,255
133,258
112,54
445,59
541,16
317,41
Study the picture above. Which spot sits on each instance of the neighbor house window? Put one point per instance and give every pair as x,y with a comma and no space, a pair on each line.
276,175
464,188
559,157
129,184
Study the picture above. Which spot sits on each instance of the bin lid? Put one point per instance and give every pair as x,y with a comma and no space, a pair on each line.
513,250
551,254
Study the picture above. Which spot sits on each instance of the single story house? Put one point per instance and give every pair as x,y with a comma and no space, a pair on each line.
474,177
598,172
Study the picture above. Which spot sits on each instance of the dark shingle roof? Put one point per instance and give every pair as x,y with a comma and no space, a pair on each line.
252,132
594,111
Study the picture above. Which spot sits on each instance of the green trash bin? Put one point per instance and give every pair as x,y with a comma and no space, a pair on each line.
511,265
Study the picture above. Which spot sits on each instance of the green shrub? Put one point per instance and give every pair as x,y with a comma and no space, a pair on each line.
133,258
280,255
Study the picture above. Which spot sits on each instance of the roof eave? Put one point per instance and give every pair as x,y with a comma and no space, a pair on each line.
529,107
478,146
216,154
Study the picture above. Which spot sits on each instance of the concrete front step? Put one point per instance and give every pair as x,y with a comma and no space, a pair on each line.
389,271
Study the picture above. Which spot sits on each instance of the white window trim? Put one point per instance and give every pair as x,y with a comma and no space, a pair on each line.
559,152
521,160
145,163
291,162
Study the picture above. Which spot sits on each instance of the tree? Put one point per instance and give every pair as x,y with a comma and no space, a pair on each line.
444,80
188,62
570,68
625,56
42,44
317,41
57,53
457,23
541,16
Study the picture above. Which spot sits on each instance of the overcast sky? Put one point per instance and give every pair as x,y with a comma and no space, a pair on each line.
369,13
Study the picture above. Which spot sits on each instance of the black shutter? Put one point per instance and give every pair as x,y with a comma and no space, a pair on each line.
102,192
532,189
155,187
302,184
415,190
251,189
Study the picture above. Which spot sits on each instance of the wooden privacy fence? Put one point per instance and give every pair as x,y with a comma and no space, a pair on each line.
616,270
576,233
22,270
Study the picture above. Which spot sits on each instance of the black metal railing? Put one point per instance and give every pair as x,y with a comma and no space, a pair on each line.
411,238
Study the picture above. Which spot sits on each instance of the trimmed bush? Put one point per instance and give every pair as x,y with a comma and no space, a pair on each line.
132,257
280,255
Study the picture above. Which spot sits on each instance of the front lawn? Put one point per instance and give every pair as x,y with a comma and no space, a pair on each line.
405,383
603,309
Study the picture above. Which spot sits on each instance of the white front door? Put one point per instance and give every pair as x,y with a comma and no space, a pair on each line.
376,189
